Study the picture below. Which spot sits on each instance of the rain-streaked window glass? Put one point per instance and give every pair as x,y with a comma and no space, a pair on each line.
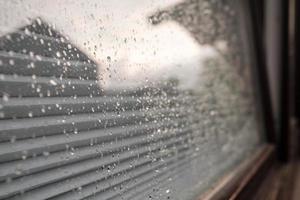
122,99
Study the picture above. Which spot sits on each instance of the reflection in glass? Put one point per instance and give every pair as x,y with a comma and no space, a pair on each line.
122,99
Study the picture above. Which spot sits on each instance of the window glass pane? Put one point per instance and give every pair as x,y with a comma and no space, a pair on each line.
122,99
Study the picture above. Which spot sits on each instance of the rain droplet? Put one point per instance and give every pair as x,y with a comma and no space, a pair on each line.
58,54
5,97
46,153
30,114
52,82
11,62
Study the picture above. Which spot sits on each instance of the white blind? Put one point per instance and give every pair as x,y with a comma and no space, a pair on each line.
63,135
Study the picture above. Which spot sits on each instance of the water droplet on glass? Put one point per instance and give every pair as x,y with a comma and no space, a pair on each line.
46,153
30,114
5,97
52,82
11,62
58,54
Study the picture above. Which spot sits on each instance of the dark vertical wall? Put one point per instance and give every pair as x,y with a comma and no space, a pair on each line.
273,32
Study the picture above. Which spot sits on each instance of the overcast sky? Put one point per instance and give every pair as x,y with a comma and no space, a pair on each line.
118,29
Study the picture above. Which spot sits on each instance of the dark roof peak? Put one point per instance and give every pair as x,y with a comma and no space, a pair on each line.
41,27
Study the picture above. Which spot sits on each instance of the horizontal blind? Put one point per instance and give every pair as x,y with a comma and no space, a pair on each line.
62,137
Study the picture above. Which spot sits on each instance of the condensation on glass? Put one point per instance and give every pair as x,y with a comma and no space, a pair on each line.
122,99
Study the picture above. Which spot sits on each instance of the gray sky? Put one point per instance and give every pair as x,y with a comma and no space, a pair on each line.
117,28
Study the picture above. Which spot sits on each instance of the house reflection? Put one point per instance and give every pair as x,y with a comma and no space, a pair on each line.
135,126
